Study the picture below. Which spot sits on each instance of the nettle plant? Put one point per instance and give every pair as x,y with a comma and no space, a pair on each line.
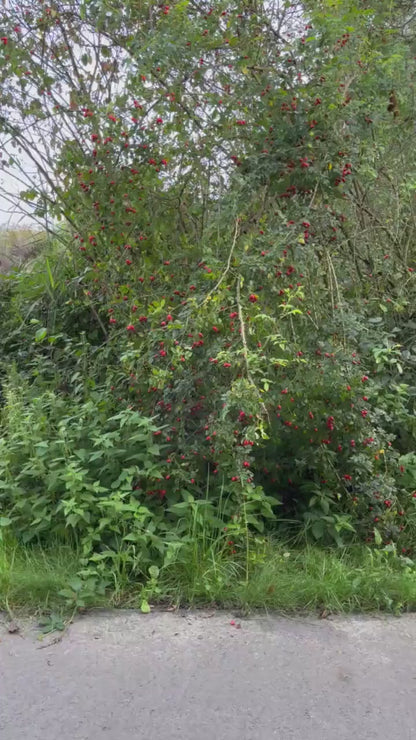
223,172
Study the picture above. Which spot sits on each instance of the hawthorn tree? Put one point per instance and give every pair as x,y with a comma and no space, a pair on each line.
236,183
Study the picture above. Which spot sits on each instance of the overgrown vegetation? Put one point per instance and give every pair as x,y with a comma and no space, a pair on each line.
217,344
308,579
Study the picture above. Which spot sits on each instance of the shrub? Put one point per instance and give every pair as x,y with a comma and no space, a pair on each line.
226,320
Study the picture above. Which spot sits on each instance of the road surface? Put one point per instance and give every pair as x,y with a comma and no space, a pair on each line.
210,676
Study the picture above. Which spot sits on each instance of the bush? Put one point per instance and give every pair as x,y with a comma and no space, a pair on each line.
221,336
80,473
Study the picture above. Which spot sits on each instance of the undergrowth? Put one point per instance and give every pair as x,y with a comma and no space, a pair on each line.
279,578
216,345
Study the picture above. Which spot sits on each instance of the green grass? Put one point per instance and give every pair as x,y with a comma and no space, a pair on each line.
31,577
307,579
277,578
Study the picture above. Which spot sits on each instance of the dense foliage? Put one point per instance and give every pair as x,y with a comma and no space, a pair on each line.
220,337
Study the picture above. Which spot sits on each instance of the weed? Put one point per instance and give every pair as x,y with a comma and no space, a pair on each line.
280,578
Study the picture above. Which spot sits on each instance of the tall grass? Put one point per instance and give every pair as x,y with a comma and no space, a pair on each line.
279,579
307,579
32,577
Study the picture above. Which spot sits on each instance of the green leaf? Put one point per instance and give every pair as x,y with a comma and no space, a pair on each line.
154,571
76,584
49,273
318,530
144,607
180,508
377,537
41,334
66,593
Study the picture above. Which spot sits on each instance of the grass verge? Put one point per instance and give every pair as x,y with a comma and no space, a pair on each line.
32,577
306,579
274,577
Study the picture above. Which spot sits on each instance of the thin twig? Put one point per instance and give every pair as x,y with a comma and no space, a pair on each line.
245,346
227,269
314,194
97,318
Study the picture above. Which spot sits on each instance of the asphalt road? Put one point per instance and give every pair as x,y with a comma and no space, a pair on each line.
190,676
